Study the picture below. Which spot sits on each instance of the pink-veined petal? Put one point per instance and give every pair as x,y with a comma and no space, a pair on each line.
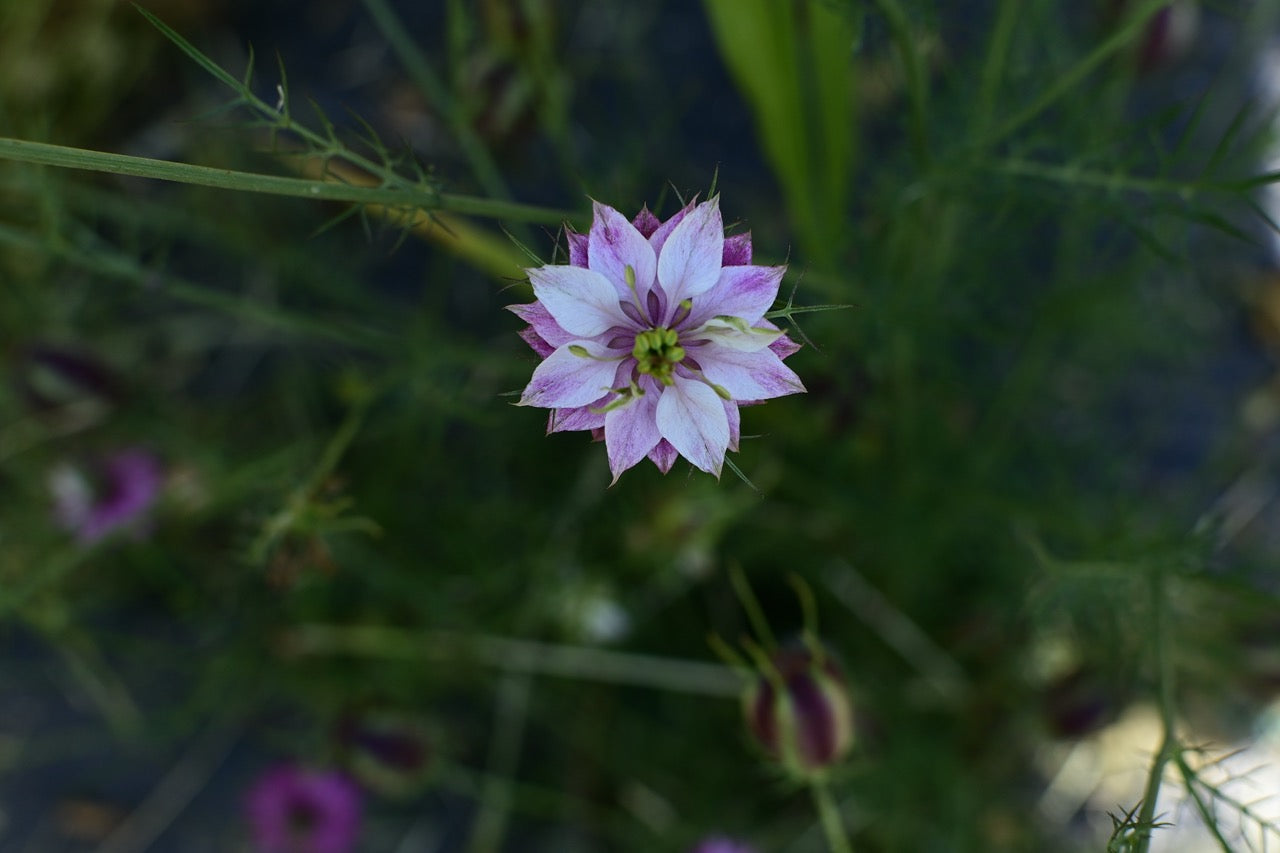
631,431
735,423
533,339
580,417
582,301
542,323
737,250
745,292
567,379
578,245
663,455
658,238
784,347
691,416
646,223
689,263
759,375
615,245
591,416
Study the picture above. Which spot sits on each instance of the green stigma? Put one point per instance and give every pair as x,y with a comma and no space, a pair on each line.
657,352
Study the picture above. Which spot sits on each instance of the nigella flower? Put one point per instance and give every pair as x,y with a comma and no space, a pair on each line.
111,494
722,845
293,810
654,334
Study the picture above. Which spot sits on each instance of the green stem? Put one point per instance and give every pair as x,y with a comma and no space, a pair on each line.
516,655
504,756
917,89
997,59
751,604
829,815
486,171
1117,182
127,268
44,154
1123,36
1189,779
1165,671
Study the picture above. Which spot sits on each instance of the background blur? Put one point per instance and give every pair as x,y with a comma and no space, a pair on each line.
1032,485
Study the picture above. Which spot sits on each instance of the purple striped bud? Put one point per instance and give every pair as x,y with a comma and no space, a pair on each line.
385,750
49,378
799,710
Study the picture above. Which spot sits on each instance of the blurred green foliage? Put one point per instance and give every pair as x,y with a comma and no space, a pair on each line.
1000,457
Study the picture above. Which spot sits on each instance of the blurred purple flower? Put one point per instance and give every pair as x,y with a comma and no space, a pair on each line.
293,810
654,334
113,493
720,844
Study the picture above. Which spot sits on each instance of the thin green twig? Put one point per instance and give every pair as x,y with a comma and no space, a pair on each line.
1122,37
1162,640
1189,779
904,40
997,59
482,164
45,154
829,815
751,605
510,716
127,268
518,655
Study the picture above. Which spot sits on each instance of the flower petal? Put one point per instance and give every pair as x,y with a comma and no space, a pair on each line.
583,302
591,416
745,292
732,333
579,417
737,250
659,237
663,455
759,375
542,323
689,263
735,423
784,347
578,245
615,245
533,339
646,223
691,416
631,431
567,379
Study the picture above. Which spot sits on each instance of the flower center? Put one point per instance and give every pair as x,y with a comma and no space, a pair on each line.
657,352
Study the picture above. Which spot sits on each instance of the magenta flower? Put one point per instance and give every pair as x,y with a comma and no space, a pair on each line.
722,845
114,493
654,334
293,810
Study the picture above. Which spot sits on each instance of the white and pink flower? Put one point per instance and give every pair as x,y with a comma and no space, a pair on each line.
654,334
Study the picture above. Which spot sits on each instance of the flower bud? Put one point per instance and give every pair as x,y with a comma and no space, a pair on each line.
387,751
49,378
800,712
